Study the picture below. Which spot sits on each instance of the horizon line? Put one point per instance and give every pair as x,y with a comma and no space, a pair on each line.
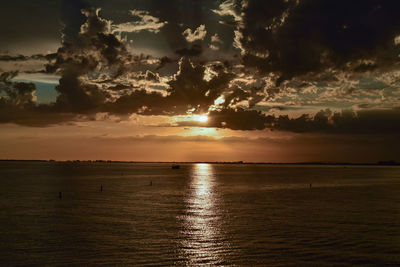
379,163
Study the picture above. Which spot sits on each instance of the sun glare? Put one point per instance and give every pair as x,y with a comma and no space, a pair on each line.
200,118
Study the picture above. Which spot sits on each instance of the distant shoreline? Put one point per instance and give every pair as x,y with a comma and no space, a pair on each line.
380,163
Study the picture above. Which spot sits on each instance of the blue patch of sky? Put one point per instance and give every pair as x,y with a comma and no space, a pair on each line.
45,90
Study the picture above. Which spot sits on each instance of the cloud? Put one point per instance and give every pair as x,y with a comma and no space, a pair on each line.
294,58
187,91
39,116
216,39
194,51
230,8
362,122
22,57
18,94
5,77
93,49
164,61
385,121
17,104
189,88
95,55
146,22
138,101
197,35
215,42
291,38
72,19
237,119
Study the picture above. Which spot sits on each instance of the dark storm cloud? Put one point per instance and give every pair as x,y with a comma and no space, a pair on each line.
19,104
367,121
84,49
19,94
139,101
193,51
93,47
292,38
189,23
253,96
164,61
6,77
16,58
177,12
345,122
72,19
32,116
90,48
187,91
190,89
25,58
238,119
284,40
236,96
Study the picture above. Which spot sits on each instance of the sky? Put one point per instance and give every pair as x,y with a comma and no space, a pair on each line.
200,80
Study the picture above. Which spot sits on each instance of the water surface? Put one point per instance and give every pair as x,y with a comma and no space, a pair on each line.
201,214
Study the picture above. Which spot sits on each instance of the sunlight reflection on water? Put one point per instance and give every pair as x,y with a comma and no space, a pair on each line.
202,243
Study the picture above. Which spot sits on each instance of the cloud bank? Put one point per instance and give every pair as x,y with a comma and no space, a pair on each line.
243,62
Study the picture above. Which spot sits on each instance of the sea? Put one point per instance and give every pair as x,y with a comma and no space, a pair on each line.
148,214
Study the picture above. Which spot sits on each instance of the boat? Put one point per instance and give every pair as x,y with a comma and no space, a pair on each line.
175,167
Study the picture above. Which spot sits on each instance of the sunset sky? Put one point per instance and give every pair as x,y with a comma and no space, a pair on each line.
200,80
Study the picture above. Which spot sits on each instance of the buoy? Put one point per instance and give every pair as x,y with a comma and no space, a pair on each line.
101,188
60,195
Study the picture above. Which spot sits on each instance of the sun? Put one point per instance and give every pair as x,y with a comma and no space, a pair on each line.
200,118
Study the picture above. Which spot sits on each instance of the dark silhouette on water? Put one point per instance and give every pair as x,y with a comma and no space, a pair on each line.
175,167
310,186
151,183
60,195
101,188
